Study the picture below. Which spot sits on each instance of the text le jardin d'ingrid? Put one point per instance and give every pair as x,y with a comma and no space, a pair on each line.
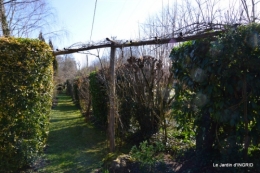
228,165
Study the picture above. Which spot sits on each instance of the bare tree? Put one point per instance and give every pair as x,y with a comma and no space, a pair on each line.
196,16
22,17
67,69
4,24
192,17
250,8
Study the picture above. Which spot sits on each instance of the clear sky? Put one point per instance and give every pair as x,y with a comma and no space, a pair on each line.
113,18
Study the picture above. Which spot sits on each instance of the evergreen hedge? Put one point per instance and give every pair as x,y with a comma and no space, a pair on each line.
26,76
99,99
218,91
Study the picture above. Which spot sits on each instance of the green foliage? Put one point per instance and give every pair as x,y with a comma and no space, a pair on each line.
106,171
108,160
147,154
70,88
26,74
55,64
125,107
76,91
183,135
99,99
83,94
218,90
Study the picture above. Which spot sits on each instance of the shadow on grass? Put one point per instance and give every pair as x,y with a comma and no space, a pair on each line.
77,148
63,119
73,145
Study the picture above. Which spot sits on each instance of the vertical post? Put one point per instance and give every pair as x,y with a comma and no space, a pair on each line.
111,124
87,60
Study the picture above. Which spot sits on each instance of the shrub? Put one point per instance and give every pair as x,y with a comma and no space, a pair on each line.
218,91
76,91
84,95
70,88
26,74
99,99
147,154
143,91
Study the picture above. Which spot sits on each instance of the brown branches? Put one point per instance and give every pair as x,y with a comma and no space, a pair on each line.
145,86
25,16
140,43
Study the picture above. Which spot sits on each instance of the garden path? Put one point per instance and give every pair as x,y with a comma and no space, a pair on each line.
73,145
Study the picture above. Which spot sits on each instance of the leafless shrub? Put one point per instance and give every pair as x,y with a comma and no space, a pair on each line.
144,93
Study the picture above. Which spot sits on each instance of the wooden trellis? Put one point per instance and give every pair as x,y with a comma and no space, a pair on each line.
156,41
113,45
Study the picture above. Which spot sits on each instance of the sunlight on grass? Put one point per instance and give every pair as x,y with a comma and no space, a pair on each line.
73,145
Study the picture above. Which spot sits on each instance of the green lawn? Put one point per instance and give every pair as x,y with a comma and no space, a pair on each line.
73,145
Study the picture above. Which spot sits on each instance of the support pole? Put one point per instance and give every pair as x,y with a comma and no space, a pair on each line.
111,125
87,59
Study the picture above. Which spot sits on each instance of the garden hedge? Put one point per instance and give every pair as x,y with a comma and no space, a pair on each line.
99,99
218,91
26,87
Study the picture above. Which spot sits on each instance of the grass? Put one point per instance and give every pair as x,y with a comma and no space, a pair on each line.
73,145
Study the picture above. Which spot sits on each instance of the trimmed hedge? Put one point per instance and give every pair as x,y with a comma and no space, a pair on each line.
70,88
218,91
83,95
99,99
26,76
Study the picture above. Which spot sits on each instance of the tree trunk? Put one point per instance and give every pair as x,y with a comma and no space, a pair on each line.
4,24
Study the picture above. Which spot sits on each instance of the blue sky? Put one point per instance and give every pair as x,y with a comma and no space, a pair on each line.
113,18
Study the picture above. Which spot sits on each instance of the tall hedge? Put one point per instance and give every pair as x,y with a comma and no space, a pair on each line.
99,99
219,89
26,75
83,95
70,88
